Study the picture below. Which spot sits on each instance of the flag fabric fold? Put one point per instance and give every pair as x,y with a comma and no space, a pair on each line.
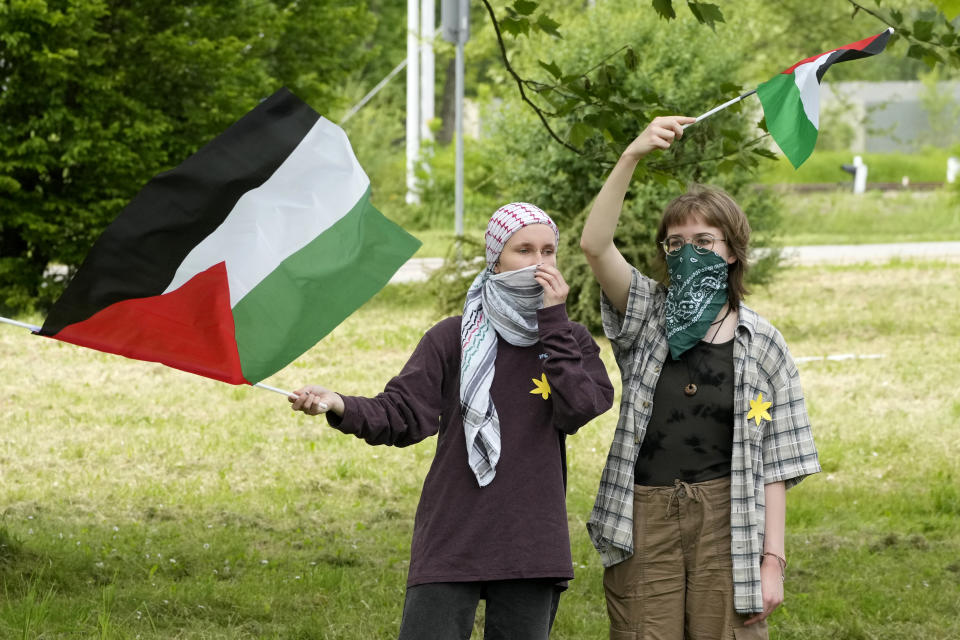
240,259
791,99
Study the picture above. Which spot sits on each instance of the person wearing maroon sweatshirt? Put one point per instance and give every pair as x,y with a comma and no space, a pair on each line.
502,385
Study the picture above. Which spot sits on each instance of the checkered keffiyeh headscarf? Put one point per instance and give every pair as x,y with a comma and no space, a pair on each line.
509,219
502,304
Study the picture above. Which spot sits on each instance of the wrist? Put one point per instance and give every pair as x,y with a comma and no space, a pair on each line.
337,405
774,559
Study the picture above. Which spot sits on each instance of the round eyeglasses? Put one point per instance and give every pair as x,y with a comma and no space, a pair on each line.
702,243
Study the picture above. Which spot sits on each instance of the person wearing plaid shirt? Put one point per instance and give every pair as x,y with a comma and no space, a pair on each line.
690,514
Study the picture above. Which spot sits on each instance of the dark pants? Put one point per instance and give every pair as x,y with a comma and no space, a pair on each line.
519,609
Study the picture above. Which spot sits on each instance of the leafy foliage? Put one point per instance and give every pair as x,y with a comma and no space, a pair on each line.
931,36
595,99
594,94
615,101
97,96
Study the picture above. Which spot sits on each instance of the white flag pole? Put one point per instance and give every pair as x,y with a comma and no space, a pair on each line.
32,327
274,389
380,85
723,106
35,329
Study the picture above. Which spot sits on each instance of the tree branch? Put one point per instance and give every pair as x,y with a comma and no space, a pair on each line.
859,7
520,81
601,63
746,146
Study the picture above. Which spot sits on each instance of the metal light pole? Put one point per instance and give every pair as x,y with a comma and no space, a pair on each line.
428,28
455,18
413,96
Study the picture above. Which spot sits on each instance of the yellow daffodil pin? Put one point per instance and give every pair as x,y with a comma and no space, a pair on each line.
758,409
541,386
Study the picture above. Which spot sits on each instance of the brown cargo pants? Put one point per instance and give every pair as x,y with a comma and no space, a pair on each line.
678,585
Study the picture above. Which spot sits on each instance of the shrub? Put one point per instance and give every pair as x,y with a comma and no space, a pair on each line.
530,166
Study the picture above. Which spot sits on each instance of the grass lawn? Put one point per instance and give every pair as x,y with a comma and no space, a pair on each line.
928,165
840,217
142,502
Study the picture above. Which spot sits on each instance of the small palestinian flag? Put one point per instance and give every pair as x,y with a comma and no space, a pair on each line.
240,259
791,99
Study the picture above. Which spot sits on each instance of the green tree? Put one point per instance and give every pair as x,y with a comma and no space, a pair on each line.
591,77
97,96
631,67
579,89
943,111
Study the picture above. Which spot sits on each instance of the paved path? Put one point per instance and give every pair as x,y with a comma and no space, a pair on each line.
855,253
418,269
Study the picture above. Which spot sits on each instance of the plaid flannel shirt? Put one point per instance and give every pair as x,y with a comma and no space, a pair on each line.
778,449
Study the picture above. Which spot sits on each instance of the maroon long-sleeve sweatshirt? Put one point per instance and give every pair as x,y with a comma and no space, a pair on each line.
515,527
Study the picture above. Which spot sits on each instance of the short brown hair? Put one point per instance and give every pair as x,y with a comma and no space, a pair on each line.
715,208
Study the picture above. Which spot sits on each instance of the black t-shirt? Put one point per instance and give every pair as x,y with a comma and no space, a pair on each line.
690,437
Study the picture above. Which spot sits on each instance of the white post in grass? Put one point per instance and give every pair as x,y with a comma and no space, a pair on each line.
859,172
860,175
953,169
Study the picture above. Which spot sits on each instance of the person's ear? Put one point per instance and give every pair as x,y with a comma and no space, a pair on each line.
496,267
731,259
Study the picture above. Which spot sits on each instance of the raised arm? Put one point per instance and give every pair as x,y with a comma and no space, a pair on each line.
609,266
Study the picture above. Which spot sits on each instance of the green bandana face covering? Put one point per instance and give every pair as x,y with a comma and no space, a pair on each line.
697,292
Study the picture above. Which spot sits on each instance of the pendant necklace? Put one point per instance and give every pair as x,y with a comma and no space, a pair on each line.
691,388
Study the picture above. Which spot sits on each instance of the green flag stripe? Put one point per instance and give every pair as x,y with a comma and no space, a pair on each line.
787,121
317,287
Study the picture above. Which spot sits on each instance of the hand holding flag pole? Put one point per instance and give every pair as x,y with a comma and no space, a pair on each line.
320,405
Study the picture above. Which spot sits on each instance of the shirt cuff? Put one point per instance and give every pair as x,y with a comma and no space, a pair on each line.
347,422
555,314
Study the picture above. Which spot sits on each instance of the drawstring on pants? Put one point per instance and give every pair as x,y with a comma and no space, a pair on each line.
682,489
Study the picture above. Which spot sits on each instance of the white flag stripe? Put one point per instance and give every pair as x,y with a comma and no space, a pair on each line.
805,77
319,183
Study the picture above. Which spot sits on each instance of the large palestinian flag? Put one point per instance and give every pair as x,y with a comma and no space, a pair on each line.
791,99
240,259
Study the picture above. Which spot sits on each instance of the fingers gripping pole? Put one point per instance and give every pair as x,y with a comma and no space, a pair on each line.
721,107
322,405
